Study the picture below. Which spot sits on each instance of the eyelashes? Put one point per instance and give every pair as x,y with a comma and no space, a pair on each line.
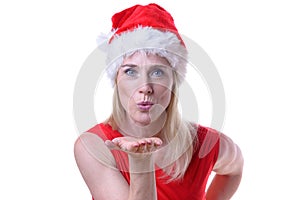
155,73
130,72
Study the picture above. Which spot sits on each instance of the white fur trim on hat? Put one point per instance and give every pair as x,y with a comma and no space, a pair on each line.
163,43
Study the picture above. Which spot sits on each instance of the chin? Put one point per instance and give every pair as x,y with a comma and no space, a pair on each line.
142,119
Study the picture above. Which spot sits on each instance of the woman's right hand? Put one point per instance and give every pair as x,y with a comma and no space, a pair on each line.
133,145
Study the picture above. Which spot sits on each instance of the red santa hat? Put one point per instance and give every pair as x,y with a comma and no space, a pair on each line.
147,28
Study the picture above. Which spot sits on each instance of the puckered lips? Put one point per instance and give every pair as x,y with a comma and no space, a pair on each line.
145,105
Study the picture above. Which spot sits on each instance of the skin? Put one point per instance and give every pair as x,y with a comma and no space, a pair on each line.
144,79
140,79
228,168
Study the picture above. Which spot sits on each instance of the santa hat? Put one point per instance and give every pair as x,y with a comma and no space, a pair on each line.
147,28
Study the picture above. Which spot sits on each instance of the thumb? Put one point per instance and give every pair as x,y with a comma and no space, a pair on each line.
111,145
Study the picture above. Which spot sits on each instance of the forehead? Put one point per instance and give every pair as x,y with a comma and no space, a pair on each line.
144,58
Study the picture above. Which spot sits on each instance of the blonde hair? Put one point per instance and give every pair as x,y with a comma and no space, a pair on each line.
179,135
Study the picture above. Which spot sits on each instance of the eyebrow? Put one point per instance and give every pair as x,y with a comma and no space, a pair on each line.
151,66
129,65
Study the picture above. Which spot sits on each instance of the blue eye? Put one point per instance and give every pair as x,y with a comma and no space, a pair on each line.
130,72
157,73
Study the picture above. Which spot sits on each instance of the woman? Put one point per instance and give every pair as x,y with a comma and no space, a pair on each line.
145,150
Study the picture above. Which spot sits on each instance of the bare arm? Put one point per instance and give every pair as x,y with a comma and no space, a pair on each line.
141,165
97,167
142,178
228,168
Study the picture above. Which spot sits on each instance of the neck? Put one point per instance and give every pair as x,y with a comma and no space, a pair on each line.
132,128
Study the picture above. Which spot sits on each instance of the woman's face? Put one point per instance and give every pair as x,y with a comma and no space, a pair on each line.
144,86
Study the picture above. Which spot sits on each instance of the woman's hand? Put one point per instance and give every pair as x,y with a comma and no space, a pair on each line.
134,145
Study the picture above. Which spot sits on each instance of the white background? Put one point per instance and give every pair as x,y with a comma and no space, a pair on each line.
255,46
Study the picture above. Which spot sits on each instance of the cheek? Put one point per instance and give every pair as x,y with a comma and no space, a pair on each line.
164,95
125,96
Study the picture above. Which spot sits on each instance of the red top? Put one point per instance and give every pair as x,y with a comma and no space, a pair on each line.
194,182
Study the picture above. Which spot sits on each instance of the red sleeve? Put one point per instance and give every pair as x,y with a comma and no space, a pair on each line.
208,142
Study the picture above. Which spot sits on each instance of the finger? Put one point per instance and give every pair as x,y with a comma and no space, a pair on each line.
120,144
150,147
157,142
148,144
133,147
142,148
111,145
149,141
116,141
142,142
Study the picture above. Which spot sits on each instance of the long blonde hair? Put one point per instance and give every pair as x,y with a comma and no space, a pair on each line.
179,135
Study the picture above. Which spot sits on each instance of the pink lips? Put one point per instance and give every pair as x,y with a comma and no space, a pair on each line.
145,105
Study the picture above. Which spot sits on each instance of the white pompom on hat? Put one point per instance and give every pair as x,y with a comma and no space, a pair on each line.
148,28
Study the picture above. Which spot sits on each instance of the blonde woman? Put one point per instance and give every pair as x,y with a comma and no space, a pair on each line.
145,150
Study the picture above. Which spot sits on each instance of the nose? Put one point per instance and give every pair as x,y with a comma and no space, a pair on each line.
146,89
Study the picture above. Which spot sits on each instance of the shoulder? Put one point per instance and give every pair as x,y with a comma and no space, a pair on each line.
208,141
92,155
230,159
206,145
90,145
207,133
105,131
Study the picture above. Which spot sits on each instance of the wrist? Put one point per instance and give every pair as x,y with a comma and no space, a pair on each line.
141,163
